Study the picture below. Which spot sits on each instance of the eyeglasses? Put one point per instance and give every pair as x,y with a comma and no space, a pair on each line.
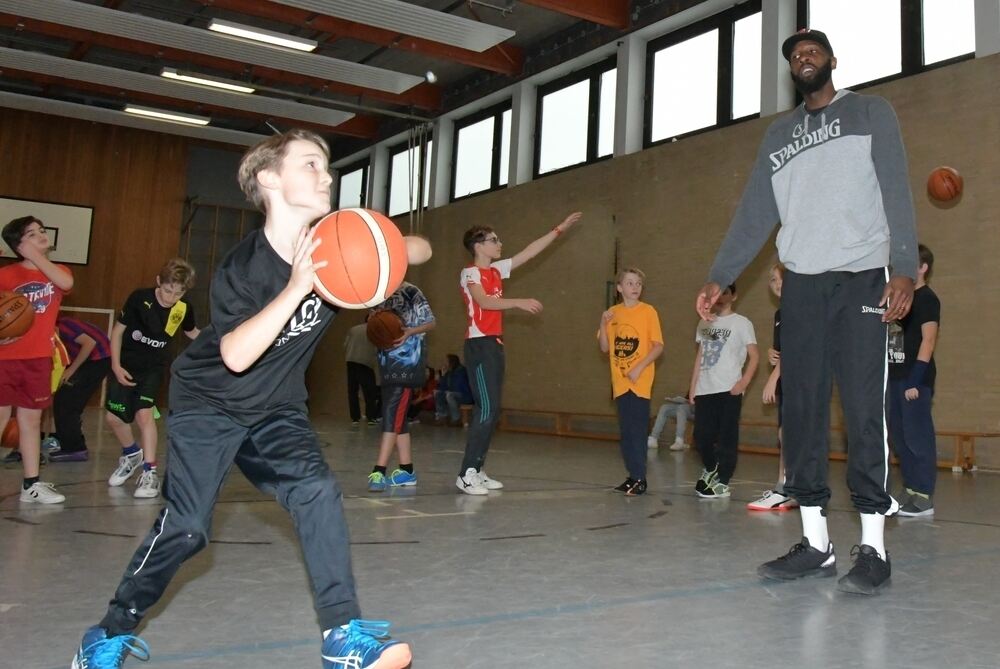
494,239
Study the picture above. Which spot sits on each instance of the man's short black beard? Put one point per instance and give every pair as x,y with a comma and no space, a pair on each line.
819,80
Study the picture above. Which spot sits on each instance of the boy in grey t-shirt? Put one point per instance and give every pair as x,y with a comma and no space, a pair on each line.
723,368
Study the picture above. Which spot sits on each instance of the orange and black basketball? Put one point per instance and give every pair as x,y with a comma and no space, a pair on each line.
16,314
384,327
944,184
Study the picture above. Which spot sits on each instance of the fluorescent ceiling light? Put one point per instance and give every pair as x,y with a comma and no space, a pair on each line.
161,115
261,35
205,80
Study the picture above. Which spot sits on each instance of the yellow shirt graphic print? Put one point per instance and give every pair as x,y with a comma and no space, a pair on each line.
176,317
631,333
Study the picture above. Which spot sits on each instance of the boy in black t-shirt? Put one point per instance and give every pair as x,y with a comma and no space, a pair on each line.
139,356
238,396
911,389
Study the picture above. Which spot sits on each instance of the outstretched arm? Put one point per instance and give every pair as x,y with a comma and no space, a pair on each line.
502,303
540,244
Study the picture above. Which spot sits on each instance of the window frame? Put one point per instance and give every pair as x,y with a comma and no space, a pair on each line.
394,151
496,111
363,164
725,23
593,73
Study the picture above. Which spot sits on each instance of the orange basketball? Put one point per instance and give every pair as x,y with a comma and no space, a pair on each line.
10,434
16,314
944,184
384,327
366,258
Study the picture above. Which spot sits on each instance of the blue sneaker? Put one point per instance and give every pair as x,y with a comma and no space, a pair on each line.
402,477
98,651
376,482
361,644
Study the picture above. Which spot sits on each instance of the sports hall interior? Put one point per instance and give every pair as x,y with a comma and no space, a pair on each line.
555,570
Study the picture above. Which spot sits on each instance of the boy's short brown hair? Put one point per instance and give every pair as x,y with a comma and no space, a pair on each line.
13,232
630,270
267,155
177,271
475,235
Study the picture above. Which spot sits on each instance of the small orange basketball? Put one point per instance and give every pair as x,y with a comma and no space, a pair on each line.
16,314
366,258
10,434
944,184
384,327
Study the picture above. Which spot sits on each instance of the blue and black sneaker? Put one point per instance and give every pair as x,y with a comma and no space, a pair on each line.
362,644
376,482
402,477
99,651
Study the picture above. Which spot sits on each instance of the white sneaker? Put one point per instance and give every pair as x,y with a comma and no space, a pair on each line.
772,500
487,482
652,442
127,465
148,486
678,445
470,483
42,493
51,445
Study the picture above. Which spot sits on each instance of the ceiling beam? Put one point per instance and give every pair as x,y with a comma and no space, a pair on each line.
611,13
508,60
423,96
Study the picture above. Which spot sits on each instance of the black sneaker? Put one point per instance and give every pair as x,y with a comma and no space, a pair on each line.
637,488
801,561
869,573
707,478
917,505
625,485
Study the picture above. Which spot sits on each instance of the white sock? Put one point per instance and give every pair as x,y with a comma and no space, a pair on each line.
873,532
814,527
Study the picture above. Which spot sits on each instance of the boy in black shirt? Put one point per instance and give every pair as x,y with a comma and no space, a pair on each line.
238,396
147,322
911,389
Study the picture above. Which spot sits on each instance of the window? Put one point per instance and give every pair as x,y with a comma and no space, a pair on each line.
685,86
352,186
866,38
746,66
482,151
949,29
405,168
576,118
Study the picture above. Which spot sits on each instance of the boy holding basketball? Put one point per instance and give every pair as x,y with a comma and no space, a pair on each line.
402,369
482,291
26,361
147,322
630,333
238,396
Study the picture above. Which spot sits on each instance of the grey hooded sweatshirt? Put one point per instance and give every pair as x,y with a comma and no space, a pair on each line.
836,179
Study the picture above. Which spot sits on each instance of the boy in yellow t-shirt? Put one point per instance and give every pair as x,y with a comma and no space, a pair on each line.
630,332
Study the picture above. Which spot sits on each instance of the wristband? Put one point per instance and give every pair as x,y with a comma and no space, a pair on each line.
917,372
557,231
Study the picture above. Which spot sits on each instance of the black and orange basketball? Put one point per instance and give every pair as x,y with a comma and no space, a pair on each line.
16,314
366,258
384,327
944,184
10,434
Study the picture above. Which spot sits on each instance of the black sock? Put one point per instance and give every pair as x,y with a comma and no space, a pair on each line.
407,468
380,470
28,482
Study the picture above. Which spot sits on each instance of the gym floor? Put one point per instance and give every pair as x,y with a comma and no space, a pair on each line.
554,571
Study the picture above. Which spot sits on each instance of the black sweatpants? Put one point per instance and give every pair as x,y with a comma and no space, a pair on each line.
484,360
832,329
717,431
362,377
280,456
633,426
71,399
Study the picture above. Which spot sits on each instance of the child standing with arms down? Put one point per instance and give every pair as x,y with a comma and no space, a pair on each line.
238,396
718,382
482,291
630,332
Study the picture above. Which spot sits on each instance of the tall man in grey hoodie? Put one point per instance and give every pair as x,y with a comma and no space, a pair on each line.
834,173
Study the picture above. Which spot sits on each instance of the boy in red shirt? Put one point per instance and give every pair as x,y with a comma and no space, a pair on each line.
26,361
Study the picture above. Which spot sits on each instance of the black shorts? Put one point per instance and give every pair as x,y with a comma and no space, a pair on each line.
124,401
395,406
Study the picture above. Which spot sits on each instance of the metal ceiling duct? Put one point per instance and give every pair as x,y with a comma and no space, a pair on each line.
111,117
409,19
154,31
146,83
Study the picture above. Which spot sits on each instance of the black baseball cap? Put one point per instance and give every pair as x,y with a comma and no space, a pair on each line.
804,35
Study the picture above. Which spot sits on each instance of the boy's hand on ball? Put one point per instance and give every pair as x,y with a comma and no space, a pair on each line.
303,267
8,340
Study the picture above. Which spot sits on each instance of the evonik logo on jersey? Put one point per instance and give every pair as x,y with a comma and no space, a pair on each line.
804,140
38,293
301,322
